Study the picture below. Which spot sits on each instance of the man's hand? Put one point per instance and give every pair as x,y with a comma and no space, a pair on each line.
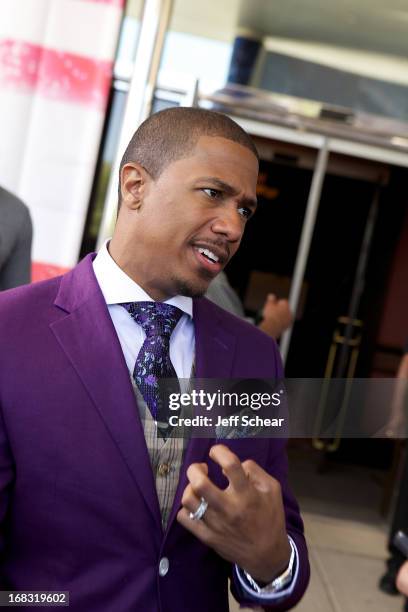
245,523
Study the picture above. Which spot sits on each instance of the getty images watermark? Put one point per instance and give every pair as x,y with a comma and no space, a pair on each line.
316,408
227,408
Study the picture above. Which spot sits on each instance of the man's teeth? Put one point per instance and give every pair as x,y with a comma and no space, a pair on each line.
209,254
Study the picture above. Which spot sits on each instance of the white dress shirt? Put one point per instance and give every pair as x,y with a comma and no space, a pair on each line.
117,287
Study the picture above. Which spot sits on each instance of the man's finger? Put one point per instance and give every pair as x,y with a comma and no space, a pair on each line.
258,477
231,466
202,466
203,487
190,500
198,528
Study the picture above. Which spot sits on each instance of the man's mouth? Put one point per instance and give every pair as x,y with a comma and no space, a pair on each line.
211,259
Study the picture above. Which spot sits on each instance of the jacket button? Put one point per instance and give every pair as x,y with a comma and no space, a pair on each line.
163,566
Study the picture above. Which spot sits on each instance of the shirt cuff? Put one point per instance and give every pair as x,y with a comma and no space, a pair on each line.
257,596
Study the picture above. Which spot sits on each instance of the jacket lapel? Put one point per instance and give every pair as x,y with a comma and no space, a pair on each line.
88,338
215,351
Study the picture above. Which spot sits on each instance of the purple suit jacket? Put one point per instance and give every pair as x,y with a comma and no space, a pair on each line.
78,506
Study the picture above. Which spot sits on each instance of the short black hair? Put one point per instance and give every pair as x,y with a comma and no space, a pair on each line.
172,134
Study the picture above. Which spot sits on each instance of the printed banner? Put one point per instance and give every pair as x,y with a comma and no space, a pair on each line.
56,59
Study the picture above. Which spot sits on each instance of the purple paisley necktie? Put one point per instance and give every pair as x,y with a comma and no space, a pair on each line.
153,367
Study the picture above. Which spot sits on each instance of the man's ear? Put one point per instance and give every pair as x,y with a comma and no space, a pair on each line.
132,185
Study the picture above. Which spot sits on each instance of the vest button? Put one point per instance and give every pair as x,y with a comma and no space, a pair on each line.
163,469
163,566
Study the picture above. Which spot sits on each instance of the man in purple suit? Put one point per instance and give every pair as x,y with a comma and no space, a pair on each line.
98,498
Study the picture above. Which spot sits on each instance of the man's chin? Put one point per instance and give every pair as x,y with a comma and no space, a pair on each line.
193,289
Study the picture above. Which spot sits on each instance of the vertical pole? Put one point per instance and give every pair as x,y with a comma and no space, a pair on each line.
192,94
306,239
359,283
155,22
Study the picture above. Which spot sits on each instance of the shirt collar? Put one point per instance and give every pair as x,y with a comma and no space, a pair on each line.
117,287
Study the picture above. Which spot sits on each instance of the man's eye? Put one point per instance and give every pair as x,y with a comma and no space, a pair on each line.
245,212
212,193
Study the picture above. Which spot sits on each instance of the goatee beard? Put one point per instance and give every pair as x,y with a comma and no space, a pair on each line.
190,289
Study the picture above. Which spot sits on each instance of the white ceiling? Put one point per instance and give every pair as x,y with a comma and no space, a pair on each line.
372,25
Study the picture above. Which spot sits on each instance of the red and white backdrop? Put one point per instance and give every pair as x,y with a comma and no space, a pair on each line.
56,60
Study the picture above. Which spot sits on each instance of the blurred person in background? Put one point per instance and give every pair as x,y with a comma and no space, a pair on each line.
396,425
16,234
402,582
276,315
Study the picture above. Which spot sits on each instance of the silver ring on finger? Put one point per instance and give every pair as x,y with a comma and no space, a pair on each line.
201,510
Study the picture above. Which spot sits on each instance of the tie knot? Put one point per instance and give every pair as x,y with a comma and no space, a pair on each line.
156,318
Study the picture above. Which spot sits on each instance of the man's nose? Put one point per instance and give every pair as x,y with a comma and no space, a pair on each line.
229,223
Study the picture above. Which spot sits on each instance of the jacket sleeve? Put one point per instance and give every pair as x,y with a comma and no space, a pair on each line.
6,481
277,466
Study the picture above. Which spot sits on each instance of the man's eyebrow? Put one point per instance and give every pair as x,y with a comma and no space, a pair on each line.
229,190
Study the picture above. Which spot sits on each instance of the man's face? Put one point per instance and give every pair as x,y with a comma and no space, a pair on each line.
191,219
